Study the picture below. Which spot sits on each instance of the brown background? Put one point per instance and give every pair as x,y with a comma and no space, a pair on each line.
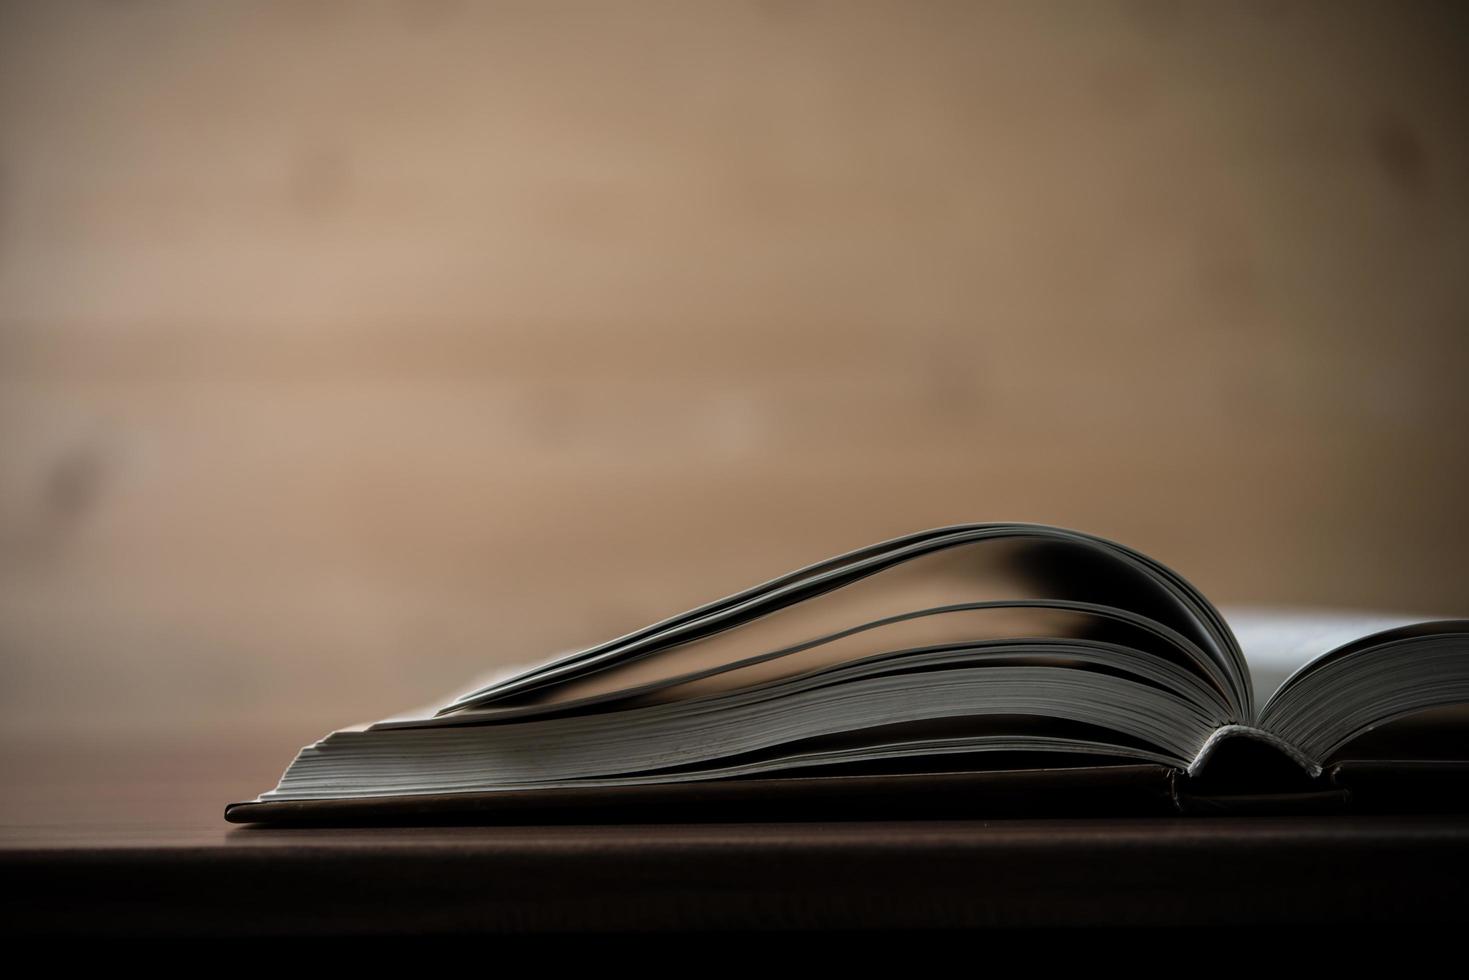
347,350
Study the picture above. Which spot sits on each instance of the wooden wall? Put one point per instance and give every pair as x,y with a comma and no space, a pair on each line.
350,349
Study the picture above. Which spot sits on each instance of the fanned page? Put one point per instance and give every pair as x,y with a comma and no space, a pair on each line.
966,643
950,586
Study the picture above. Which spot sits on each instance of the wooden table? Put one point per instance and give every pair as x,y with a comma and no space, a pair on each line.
112,839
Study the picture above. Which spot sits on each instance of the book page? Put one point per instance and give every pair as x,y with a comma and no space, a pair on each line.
1278,641
945,567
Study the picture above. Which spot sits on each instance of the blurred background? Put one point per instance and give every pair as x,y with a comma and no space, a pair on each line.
348,350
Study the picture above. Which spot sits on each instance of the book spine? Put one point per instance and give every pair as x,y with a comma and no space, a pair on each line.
1206,751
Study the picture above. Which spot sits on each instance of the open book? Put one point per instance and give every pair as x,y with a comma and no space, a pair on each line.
1000,659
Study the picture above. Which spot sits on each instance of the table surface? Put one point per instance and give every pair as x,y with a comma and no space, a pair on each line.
128,837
